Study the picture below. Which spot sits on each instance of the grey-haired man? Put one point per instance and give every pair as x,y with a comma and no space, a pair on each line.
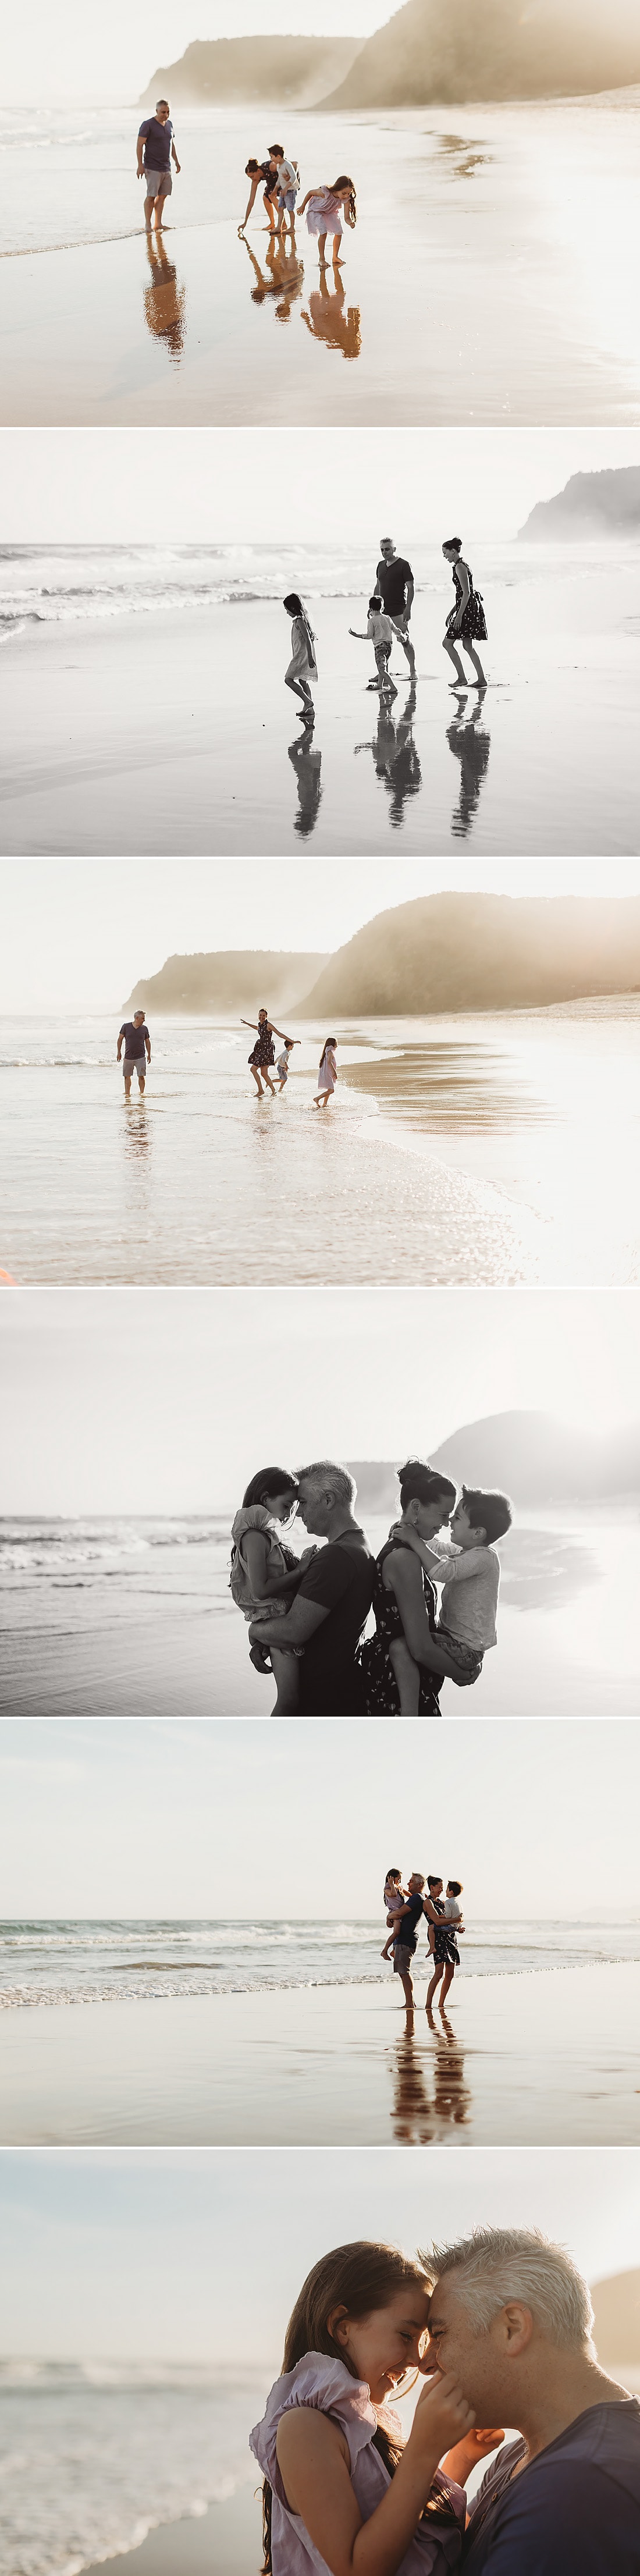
156,136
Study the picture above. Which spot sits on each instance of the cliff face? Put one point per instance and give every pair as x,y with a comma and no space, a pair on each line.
228,980
436,51
481,952
591,504
295,70
530,1456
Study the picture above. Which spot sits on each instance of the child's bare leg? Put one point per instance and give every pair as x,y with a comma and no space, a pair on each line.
285,1673
407,1676
322,244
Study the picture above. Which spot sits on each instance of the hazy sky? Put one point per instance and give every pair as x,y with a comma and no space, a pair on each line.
204,1386
198,2254
166,1818
55,60
200,485
77,934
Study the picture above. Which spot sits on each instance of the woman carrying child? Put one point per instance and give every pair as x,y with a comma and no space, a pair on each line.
303,666
265,1574
444,1948
263,1053
324,209
341,2486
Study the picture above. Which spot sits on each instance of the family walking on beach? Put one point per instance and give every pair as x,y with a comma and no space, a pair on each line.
499,2326
263,1055
307,1614
405,1907
388,617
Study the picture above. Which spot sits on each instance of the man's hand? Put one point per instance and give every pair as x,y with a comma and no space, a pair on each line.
176,164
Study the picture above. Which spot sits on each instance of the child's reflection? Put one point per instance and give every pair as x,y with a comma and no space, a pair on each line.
327,320
306,760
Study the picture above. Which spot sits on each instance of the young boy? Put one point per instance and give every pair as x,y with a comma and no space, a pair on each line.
470,1575
282,1066
379,633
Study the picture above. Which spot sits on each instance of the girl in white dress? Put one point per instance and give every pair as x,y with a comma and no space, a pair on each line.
303,666
328,1074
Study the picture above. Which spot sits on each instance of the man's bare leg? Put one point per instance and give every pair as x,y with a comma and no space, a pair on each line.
127,1086
141,1082
159,202
148,211
407,1988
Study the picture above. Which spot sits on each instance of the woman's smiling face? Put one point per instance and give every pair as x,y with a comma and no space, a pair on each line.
388,2343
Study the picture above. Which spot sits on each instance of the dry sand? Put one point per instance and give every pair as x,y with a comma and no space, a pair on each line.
174,734
544,2059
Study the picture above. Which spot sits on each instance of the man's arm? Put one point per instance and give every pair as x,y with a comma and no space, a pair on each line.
300,1624
175,156
147,1041
409,595
121,1035
140,149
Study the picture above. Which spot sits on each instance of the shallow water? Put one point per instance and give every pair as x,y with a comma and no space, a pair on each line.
491,275
62,1962
462,1146
135,1618
94,2458
164,724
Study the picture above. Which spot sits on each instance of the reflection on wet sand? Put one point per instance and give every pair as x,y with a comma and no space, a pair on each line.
283,278
419,2117
327,320
443,1089
470,743
164,299
395,757
306,760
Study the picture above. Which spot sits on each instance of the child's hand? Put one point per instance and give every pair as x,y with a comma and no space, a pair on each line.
460,2462
442,2416
307,1553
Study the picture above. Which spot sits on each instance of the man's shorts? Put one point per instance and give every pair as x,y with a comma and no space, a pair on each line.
159,183
402,1959
135,1064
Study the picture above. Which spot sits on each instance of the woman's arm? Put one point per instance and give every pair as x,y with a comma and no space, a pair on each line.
313,2459
249,1024
255,183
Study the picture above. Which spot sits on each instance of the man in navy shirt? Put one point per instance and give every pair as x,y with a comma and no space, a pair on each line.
156,136
137,1051
512,2317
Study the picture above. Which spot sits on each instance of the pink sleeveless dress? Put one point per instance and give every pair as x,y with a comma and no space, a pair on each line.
318,2381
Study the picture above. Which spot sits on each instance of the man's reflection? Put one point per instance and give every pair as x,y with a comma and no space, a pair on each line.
306,760
451,2099
470,743
411,2111
284,275
164,299
327,320
395,756
137,1130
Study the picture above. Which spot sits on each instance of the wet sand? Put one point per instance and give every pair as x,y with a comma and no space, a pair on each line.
173,734
545,2059
491,276
226,2541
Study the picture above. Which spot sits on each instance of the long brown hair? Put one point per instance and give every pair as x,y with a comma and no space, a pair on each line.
360,2278
345,182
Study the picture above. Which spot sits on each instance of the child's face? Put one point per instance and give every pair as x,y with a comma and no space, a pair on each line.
462,1530
282,1507
389,2342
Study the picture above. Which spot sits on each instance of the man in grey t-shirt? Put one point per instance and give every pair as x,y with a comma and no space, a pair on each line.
134,1036
155,140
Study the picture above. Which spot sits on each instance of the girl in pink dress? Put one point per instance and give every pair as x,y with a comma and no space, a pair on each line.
331,2449
326,207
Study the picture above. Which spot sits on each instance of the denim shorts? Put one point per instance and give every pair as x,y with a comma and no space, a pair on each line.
159,183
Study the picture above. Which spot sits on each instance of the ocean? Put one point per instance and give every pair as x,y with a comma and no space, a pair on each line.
459,1150
65,1962
95,2455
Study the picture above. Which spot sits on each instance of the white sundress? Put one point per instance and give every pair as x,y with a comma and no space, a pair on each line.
328,2385
328,1074
301,667
324,213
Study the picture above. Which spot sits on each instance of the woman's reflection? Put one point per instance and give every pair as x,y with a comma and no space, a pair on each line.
451,2099
164,299
395,756
284,278
306,760
470,743
327,320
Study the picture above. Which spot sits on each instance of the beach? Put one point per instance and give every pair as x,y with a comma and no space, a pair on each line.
542,2059
147,2461
509,230
460,1148
135,1618
172,733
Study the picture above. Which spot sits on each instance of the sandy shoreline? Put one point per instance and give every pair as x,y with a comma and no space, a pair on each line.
541,2059
172,733
525,319
226,2541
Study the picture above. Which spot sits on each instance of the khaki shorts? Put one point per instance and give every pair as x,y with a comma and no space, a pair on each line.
159,183
135,1064
402,1959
